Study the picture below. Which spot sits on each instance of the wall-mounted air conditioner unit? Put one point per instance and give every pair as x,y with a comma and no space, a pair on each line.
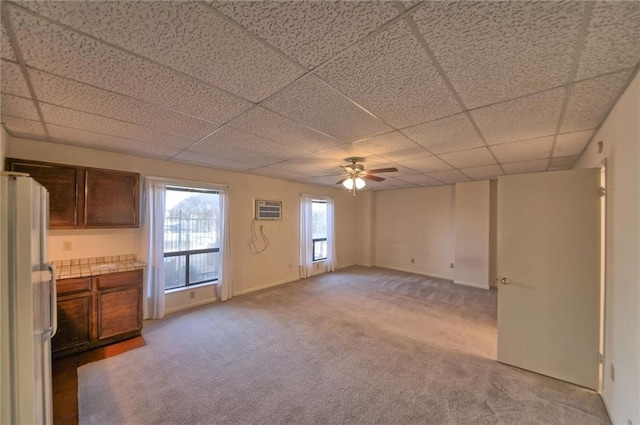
268,210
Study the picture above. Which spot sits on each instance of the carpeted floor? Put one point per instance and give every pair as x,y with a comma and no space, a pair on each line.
359,346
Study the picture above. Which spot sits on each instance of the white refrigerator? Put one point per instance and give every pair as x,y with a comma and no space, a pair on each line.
27,302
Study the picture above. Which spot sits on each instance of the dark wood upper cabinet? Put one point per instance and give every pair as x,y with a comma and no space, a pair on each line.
81,197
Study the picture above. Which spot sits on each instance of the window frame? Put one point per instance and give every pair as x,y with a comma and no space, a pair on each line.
314,240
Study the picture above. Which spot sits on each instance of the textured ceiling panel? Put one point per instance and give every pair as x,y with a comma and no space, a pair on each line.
19,107
427,164
494,51
591,100
68,54
310,32
312,102
6,51
19,126
71,94
520,119
572,143
469,158
83,121
110,143
562,162
391,75
219,52
387,143
524,150
486,172
12,80
265,123
409,4
277,173
233,139
212,161
446,135
406,154
534,166
312,165
449,176
613,39
421,179
341,152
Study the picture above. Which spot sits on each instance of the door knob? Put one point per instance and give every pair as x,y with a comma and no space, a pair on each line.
505,281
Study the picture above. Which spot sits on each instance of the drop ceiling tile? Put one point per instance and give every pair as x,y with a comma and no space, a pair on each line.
310,32
105,142
329,181
315,104
449,176
524,150
57,50
449,134
391,75
231,138
12,79
6,49
311,165
591,100
409,4
19,107
562,162
572,143
469,158
401,173
213,161
521,167
419,179
184,36
340,153
613,39
83,121
71,94
19,126
494,51
406,154
276,173
427,164
485,172
265,123
387,143
520,119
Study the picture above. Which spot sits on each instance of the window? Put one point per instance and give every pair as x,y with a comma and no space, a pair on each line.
319,230
191,236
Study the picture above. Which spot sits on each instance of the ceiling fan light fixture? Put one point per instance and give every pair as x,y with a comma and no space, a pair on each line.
348,183
360,183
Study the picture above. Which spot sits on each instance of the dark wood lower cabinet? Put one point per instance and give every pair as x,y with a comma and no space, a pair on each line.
98,310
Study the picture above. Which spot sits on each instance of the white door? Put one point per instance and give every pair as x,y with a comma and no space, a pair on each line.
549,258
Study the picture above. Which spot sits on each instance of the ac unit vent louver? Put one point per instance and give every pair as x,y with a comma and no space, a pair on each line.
268,210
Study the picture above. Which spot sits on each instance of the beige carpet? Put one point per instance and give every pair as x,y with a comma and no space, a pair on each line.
359,346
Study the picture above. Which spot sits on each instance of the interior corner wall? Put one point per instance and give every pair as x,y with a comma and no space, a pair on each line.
493,233
250,272
365,219
415,224
4,141
472,233
620,137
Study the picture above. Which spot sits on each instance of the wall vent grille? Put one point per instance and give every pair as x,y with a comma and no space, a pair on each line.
268,210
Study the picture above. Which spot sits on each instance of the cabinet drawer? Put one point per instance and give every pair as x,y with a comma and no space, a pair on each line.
70,286
115,280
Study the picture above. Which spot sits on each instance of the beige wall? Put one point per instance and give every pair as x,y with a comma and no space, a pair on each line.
415,223
472,225
620,135
4,140
278,264
365,220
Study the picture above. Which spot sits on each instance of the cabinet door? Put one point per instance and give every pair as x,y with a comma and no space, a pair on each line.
111,198
62,182
119,311
74,321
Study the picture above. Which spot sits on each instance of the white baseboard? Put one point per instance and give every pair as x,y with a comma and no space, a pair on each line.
414,272
191,305
475,285
345,266
606,407
265,286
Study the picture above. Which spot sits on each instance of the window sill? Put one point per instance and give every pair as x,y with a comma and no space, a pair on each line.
188,288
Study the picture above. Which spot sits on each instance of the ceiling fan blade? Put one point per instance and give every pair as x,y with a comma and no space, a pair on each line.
374,178
382,170
342,179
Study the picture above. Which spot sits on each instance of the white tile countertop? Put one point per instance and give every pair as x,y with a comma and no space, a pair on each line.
85,267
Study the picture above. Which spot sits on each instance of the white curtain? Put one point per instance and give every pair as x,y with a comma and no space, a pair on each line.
224,288
153,248
306,224
306,235
331,236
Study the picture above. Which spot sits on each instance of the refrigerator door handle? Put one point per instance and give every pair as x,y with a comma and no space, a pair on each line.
53,297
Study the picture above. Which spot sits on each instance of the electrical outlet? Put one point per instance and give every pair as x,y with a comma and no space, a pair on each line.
66,245
450,265
413,260
192,294
613,373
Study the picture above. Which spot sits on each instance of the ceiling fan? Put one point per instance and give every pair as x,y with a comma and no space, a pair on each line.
356,174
